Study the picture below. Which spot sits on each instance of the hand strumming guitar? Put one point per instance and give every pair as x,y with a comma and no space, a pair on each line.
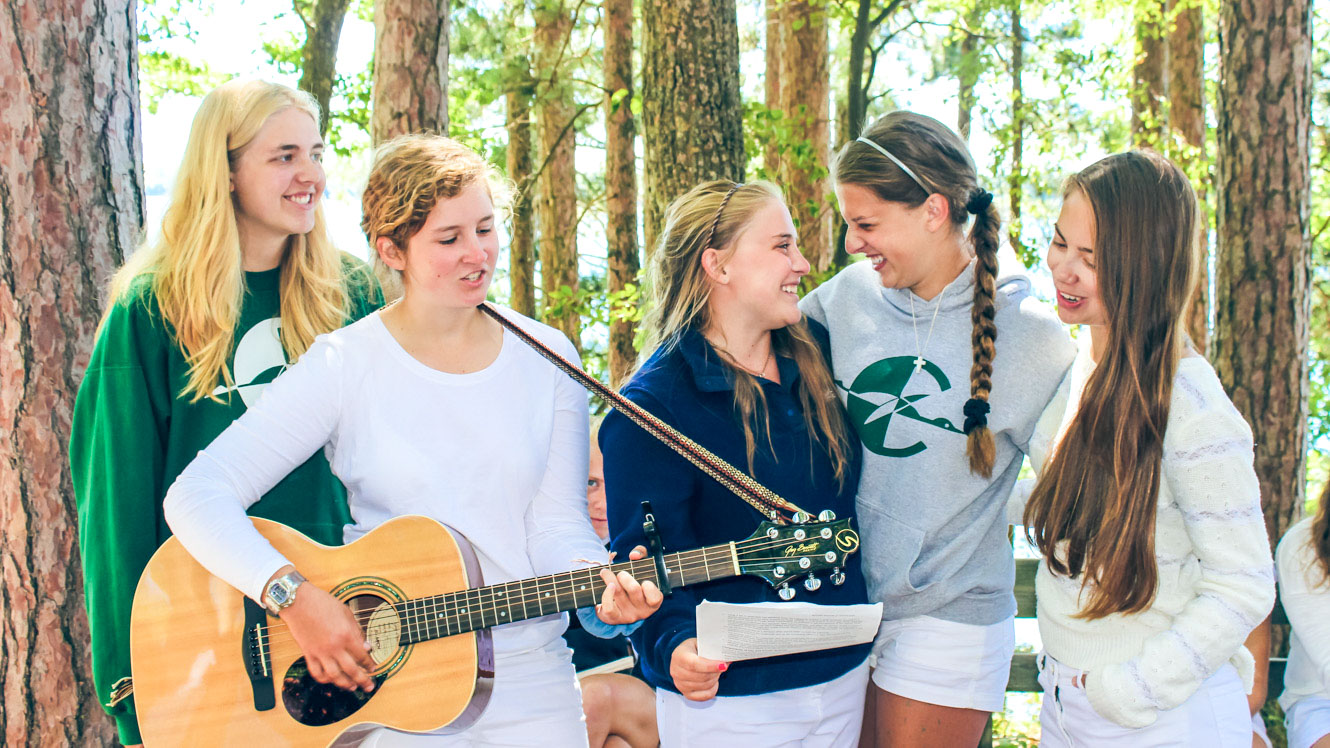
333,643
625,600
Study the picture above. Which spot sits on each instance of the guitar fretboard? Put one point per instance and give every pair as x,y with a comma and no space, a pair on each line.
426,618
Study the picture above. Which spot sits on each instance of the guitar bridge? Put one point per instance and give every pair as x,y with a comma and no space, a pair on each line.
256,653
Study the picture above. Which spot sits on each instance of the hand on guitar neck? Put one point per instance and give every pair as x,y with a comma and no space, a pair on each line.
336,651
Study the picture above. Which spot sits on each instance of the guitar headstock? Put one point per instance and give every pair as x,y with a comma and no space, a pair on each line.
782,554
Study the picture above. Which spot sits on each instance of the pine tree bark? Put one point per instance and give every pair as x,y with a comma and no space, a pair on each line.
410,68
774,52
1260,342
71,207
692,120
805,97
620,179
1186,117
318,57
1016,180
522,234
1149,76
557,211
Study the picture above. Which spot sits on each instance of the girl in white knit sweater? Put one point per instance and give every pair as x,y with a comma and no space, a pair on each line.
1147,509
1304,581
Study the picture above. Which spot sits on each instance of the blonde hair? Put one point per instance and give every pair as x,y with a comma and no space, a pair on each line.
411,174
195,266
712,215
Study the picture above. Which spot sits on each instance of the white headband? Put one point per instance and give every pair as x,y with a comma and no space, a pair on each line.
898,162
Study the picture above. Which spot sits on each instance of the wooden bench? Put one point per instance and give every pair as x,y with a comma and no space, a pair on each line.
1025,673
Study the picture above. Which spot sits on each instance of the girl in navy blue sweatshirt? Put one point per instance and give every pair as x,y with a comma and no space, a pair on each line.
733,365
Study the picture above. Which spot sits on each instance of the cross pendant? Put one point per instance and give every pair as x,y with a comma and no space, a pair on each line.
919,363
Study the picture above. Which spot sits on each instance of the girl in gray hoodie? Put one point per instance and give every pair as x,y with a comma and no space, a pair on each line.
945,414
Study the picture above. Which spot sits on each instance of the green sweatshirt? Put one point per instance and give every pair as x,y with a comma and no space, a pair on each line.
133,433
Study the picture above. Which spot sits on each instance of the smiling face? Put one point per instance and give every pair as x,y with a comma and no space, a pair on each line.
759,281
278,178
450,261
895,238
1071,259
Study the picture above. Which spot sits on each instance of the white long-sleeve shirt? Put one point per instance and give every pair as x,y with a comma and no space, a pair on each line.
500,455
1216,575
1305,592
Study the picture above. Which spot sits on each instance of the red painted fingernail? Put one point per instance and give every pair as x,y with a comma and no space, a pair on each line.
722,667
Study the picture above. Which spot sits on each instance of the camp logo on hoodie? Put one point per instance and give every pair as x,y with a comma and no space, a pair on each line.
877,397
258,361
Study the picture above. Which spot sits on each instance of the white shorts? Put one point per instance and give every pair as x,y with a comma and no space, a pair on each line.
827,715
959,665
536,701
1216,716
1308,720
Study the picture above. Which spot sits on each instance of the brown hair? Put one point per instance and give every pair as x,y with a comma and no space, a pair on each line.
940,160
1100,490
411,174
713,214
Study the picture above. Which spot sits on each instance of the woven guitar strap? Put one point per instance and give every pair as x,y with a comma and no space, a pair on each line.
759,496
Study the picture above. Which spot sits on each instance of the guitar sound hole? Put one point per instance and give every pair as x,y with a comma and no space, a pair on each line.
312,703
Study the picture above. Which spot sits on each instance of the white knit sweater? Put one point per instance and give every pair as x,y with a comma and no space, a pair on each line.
1216,574
1306,595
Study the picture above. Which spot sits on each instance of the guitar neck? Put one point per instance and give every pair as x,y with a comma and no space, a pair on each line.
426,618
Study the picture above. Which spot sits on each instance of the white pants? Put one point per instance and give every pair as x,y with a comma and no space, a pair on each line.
827,715
1308,720
960,665
1216,716
536,701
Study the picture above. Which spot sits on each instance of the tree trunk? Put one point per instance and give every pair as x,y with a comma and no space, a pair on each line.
1016,179
692,120
1260,342
410,68
557,211
1186,117
71,207
522,245
318,58
858,100
805,98
774,52
968,74
1149,76
620,182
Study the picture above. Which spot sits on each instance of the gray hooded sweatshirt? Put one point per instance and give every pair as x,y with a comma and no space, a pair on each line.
935,534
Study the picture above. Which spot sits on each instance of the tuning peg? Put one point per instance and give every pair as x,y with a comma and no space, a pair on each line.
779,571
826,515
801,517
785,592
837,576
812,583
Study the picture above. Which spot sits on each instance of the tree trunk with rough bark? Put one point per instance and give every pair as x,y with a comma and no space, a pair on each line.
318,57
857,99
1260,341
557,210
692,120
620,180
1186,118
1149,76
410,68
71,207
774,51
522,234
1016,180
805,97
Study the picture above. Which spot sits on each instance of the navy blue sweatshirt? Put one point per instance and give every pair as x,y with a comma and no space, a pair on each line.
688,387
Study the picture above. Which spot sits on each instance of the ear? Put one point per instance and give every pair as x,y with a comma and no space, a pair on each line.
712,265
937,211
391,255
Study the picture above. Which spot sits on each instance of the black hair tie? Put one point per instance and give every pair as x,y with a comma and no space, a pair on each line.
976,412
979,201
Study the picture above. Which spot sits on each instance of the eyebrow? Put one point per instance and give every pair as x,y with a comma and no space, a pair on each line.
1058,230
293,147
785,235
446,229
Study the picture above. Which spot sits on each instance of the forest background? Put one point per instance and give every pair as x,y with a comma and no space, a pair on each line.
600,112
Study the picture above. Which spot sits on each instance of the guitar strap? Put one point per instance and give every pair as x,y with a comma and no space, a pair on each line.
761,498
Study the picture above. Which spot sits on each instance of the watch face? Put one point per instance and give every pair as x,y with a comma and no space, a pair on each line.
279,594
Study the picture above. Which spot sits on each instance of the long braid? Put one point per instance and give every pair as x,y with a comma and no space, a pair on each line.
979,445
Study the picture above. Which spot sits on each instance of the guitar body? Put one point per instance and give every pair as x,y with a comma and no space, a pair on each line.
189,634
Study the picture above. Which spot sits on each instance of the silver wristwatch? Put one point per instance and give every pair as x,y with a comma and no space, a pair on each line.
281,592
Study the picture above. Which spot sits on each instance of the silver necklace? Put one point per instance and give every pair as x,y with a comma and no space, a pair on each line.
919,361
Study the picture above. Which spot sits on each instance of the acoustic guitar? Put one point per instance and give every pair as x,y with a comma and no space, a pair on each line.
211,668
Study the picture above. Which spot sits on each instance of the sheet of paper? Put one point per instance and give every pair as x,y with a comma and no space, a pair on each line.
730,631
